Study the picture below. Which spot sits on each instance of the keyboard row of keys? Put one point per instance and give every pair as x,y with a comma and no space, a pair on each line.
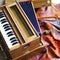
7,30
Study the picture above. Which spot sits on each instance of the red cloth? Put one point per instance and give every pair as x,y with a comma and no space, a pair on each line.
55,43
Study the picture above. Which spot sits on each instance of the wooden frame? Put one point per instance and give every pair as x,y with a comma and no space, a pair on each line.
24,26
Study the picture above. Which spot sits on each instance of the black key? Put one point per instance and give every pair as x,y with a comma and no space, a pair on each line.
7,29
1,12
3,21
1,15
10,33
14,43
12,38
5,25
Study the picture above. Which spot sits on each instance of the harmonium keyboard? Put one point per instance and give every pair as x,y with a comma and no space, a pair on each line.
18,33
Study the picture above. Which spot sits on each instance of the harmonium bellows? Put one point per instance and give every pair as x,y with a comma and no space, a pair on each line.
18,33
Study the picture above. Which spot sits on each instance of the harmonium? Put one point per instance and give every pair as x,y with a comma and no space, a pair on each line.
19,29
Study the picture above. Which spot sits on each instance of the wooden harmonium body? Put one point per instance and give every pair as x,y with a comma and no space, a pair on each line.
18,35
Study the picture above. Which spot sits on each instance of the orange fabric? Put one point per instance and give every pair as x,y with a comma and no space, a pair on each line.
56,43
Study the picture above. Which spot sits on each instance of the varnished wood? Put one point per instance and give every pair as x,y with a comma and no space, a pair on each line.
18,21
